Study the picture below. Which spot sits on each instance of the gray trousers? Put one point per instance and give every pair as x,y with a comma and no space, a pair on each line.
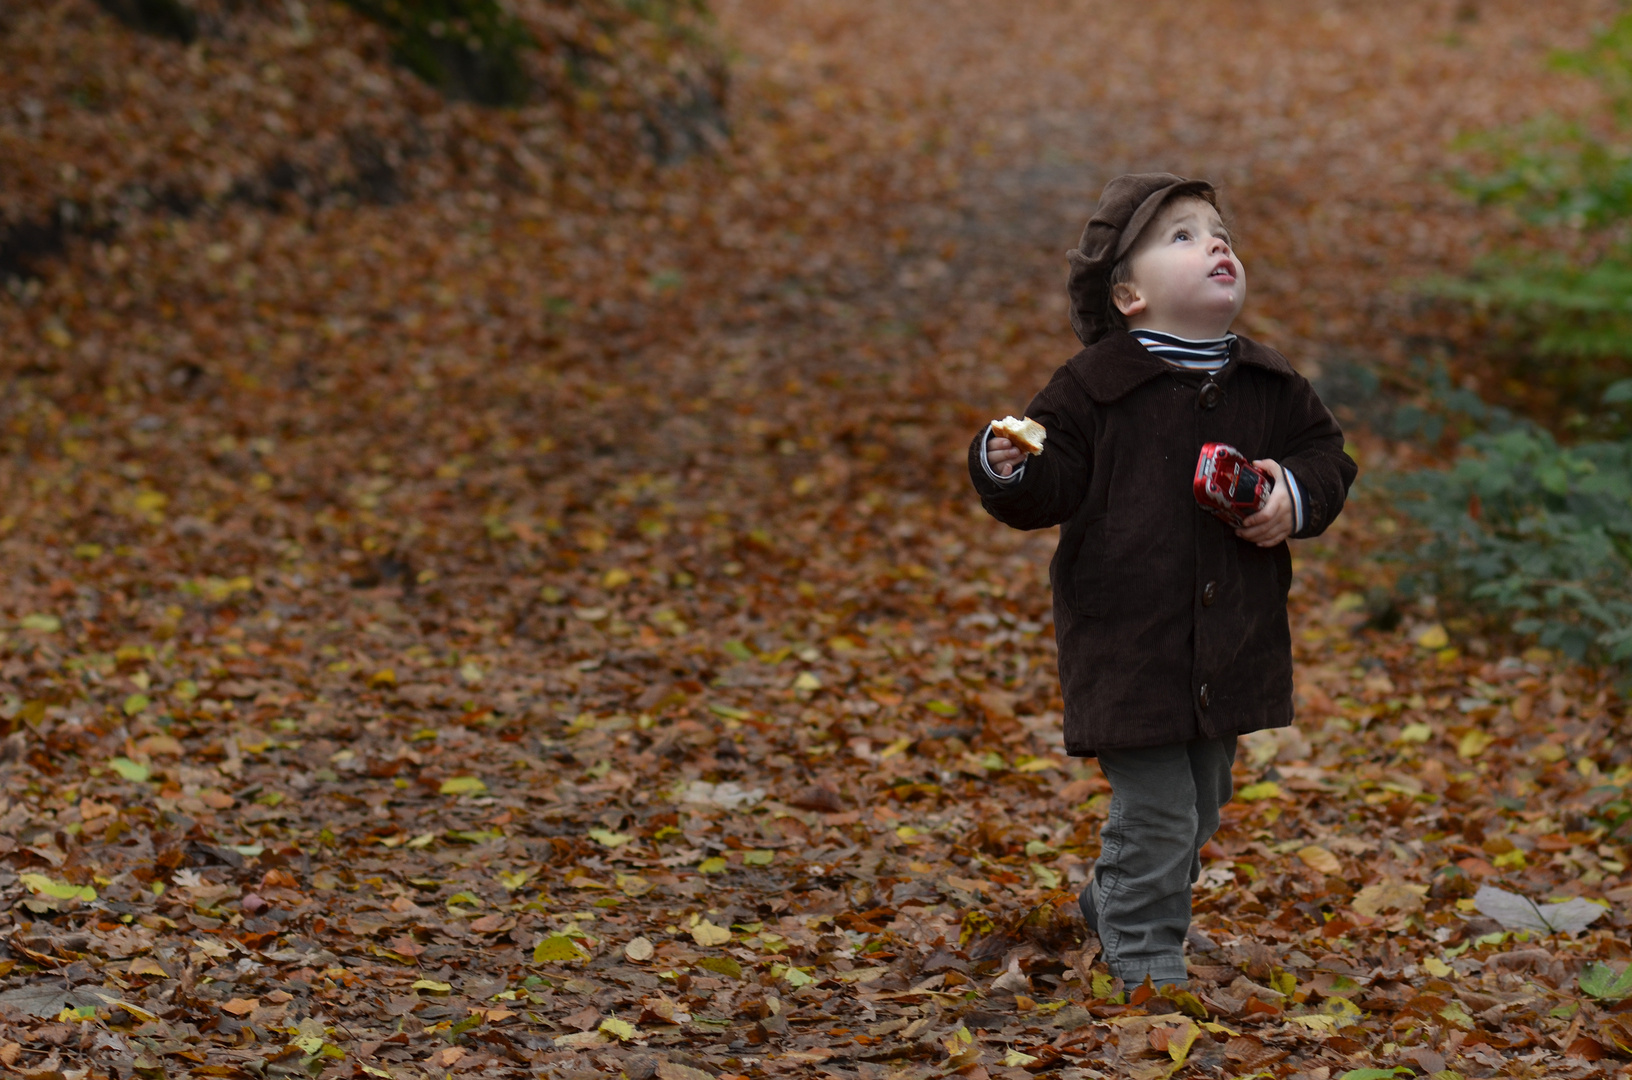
1164,807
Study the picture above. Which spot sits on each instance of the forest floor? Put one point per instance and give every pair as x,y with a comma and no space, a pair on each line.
529,618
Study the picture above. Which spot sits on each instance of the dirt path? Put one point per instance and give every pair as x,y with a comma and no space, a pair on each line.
542,627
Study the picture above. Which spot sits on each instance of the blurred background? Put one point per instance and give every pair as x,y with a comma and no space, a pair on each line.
301,265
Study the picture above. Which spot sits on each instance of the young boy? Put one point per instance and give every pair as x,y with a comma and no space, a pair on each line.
1171,625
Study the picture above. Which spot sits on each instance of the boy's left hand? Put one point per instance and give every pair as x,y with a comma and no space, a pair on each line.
1273,523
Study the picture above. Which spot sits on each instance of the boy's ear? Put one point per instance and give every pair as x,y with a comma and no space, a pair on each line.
1125,295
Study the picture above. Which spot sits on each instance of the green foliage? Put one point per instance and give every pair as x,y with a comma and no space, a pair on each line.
1575,176
1604,982
1523,524
466,48
1534,529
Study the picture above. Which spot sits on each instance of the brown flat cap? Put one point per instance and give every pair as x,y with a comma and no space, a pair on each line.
1126,206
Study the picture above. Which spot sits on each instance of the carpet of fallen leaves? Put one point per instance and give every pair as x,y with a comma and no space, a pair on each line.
495,613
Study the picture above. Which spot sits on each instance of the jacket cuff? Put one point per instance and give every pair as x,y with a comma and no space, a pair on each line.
1013,477
1297,500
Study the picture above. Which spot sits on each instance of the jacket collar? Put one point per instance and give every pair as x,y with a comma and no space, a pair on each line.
1117,364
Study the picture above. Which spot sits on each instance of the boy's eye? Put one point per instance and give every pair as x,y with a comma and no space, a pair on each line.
1182,234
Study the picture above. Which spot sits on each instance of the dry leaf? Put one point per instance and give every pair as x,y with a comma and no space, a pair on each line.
1318,858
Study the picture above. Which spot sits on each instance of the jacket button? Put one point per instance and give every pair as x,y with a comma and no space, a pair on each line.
1210,393
1209,593
1206,696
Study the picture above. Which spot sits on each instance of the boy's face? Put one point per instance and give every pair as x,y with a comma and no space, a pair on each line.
1185,278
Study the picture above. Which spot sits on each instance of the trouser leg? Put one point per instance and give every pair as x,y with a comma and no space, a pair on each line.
1164,806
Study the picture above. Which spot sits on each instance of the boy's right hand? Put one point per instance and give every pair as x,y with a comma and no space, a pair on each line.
1003,456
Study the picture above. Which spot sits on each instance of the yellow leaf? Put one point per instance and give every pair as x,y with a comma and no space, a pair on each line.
130,770
758,858
622,1030
634,885
1436,967
638,949
1341,1009
608,838
1015,1059
558,949
463,785
807,682
614,578
1432,637
433,986
895,747
1474,743
46,624
146,965
1318,858
1041,764
707,934
513,880
1269,789
57,890
715,865
383,677
1180,1041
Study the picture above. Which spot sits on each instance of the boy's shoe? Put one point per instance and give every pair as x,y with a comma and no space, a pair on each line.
1085,901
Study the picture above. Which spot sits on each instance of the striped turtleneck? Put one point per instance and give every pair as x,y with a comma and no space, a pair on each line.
1206,354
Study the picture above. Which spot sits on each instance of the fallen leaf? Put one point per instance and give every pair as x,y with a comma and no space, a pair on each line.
1432,637
1389,895
1521,913
558,949
129,769
1318,858
708,934
61,890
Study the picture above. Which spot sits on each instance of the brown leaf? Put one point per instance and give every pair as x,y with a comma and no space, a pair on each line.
819,798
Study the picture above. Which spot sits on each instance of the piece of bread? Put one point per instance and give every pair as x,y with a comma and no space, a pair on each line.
1027,434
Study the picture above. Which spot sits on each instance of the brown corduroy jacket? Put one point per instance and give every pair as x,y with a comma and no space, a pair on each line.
1169,627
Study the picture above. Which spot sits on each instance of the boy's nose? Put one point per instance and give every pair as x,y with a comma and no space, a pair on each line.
1218,246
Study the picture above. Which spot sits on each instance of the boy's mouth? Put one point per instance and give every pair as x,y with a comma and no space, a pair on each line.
1224,270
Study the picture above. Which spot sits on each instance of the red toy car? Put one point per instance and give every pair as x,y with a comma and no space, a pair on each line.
1228,486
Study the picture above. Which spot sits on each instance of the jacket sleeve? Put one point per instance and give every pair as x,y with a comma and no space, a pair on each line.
1054,481
1314,453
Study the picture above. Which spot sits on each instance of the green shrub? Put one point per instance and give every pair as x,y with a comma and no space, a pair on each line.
1524,524
1571,305
1534,530
466,48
